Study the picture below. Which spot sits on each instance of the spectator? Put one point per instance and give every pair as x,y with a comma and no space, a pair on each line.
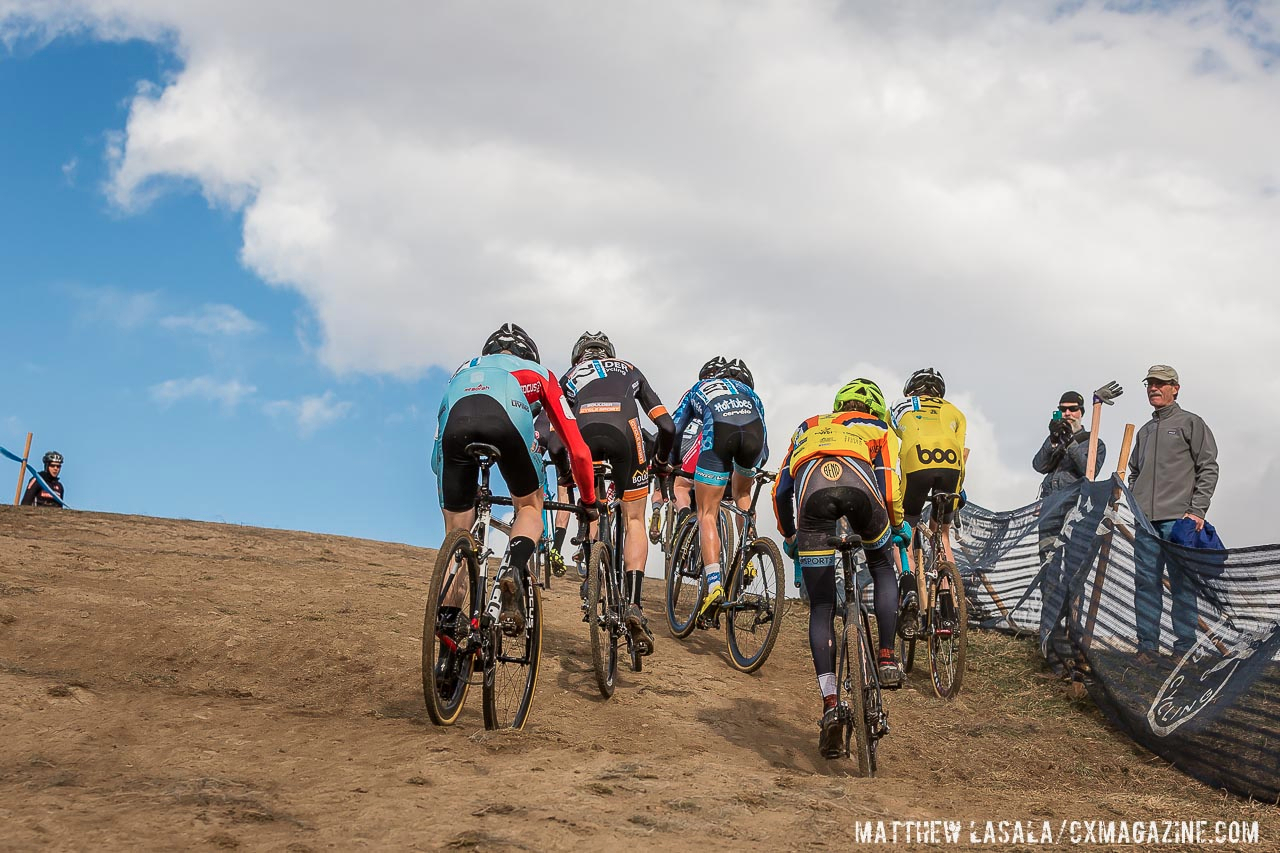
1172,473
36,494
1062,459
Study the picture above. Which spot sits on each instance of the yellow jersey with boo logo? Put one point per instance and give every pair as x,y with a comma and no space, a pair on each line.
932,433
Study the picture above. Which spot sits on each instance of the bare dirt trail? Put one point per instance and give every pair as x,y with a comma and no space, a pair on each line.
181,685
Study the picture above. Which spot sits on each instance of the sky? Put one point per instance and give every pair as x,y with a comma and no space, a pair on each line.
241,249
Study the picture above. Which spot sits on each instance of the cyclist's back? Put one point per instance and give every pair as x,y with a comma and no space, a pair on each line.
733,430
932,431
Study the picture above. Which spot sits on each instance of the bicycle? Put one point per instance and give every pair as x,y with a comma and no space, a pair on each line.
454,643
605,604
861,710
752,579
943,615
542,568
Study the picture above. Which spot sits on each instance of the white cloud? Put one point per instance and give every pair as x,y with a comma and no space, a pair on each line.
228,393
1031,196
69,170
111,306
213,320
310,413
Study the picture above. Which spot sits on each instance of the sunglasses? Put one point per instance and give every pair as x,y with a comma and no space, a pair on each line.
1068,408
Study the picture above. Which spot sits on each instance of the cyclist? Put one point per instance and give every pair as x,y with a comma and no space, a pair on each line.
932,434
489,400
38,495
549,443
842,465
604,390
733,440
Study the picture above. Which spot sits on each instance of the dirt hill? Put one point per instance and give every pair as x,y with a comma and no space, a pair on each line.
180,685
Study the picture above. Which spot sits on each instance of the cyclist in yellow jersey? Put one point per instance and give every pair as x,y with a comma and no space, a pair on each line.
932,433
841,466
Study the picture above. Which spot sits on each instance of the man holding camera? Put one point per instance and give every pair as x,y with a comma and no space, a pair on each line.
1063,459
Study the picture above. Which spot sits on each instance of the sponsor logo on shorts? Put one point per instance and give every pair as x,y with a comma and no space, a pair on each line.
599,408
832,470
734,405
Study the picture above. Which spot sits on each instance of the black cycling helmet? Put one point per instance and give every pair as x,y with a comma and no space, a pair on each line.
598,341
514,340
51,457
925,382
737,369
712,368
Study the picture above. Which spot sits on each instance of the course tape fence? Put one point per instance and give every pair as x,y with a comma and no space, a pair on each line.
34,473
1085,573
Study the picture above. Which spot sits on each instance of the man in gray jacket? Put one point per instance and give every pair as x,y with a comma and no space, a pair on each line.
1172,474
1062,459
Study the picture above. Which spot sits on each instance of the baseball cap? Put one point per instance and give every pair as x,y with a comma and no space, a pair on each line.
1163,372
1071,397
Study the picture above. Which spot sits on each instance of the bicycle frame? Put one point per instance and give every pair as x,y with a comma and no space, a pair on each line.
875,720
747,534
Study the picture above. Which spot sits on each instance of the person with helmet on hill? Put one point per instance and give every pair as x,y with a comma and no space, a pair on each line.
604,391
842,465
733,443
932,434
36,494
489,400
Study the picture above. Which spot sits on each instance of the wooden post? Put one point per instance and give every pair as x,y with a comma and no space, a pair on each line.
22,471
1104,552
1092,465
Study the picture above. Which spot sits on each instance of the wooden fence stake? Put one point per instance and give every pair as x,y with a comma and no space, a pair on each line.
22,471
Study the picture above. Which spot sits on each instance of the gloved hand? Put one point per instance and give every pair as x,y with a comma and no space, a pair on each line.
964,499
902,534
659,468
591,510
1060,429
1108,393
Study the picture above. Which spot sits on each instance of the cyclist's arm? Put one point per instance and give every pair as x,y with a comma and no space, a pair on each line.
887,474
960,430
684,414
783,498
764,430
562,420
33,489
658,414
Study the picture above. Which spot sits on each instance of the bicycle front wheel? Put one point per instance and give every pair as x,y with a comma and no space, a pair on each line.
850,679
874,716
511,672
601,616
755,606
686,582
446,642
947,647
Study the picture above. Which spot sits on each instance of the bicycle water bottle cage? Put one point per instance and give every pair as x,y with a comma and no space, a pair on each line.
484,453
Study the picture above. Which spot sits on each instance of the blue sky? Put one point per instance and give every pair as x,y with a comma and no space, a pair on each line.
239,250
103,307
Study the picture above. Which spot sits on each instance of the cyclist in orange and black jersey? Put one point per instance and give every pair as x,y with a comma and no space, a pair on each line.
932,433
604,391
842,466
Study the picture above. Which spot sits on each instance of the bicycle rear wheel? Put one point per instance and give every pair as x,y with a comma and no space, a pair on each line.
446,652
511,673
849,690
873,699
601,618
686,582
755,606
947,653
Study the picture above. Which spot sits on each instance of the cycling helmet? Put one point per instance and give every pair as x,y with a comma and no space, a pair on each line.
51,457
925,382
712,368
862,391
597,341
737,369
514,340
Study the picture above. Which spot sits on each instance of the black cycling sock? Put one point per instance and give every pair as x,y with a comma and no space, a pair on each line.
521,550
634,582
558,539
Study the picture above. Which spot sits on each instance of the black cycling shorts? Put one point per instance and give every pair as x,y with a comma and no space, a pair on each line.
622,445
920,484
483,419
831,488
739,446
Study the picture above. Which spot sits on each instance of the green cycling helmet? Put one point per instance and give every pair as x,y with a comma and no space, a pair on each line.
863,391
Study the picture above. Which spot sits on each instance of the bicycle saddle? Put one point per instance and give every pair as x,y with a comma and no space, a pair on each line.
480,450
849,540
